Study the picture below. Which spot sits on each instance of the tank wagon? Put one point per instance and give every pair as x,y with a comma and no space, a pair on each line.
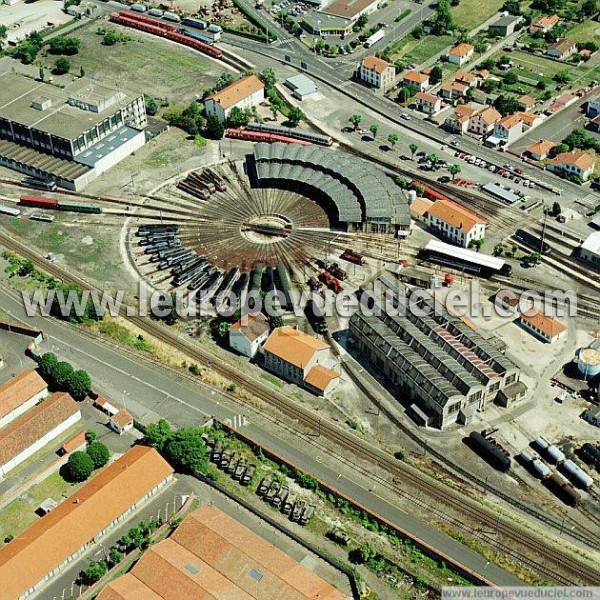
491,451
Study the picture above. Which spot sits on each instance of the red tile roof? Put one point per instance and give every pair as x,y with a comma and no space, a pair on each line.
320,377
549,326
237,91
372,63
462,50
74,442
19,389
415,77
293,346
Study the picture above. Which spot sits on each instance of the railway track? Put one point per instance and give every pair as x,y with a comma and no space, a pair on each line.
350,446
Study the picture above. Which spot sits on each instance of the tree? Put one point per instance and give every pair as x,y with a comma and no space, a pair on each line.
268,77
47,364
295,115
589,7
402,182
454,170
477,244
186,450
152,105
436,74
62,375
110,38
562,77
79,384
238,117
362,21
215,130
26,268
442,19
407,92
114,556
355,120
393,139
418,32
413,149
319,45
81,72
158,434
99,454
3,33
374,129
64,45
80,466
224,80
277,322
41,73
61,66
90,436
433,159
511,78
506,105
512,7
94,572
364,553
556,209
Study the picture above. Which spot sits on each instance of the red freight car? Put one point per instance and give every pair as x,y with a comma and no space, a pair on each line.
143,19
260,136
39,202
331,282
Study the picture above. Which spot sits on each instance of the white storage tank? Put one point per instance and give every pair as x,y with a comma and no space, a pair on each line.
412,196
542,469
588,361
576,474
526,456
555,454
542,443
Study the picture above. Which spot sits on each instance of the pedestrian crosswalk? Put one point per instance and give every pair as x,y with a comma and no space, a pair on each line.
590,200
346,84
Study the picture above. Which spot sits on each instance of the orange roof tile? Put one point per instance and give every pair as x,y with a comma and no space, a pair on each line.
463,110
463,76
293,346
320,377
545,22
32,425
509,121
462,50
419,206
121,419
415,77
211,555
527,100
528,118
549,326
19,389
431,98
489,115
455,215
255,326
581,159
372,63
240,89
63,531
542,147
74,442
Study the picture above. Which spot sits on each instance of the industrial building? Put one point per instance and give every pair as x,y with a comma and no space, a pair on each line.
350,10
455,223
243,94
355,194
19,394
444,369
302,86
590,250
211,555
69,135
49,546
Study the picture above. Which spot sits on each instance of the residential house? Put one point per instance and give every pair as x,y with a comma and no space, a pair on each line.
77,524
561,49
36,428
461,53
504,26
455,223
244,93
576,163
105,406
321,380
469,79
458,121
428,103
19,394
212,555
376,72
452,90
593,108
594,124
561,102
590,250
292,354
526,103
249,333
122,422
530,120
482,122
506,131
416,78
546,328
482,74
540,150
543,24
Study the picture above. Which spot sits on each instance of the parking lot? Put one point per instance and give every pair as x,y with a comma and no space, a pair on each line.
24,17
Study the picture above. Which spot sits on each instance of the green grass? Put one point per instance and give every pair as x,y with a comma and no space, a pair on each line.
534,65
418,51
120,334
586,31
471,13
273,380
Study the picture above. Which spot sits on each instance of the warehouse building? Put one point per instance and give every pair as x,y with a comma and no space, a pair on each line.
355,194
350,10
243,94
590,250
69,135
445,369
19,394
35,428
49,546
211,555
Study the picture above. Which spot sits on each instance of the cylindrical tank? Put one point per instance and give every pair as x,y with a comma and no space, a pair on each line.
526,456
542,469
576,474
542,443
588,363
555,454
412,196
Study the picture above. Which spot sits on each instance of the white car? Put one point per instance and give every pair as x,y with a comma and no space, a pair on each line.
405,116
492,168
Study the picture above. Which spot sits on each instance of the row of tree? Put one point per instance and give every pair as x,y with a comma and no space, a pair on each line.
61,376
81,464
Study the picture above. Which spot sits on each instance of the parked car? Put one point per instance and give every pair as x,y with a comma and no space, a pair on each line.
405,116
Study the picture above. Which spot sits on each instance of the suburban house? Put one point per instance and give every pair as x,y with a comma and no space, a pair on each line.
530,119
573,163
546,328
506,131
35,428
452,90
105,406
590,250
540,150
504,26
292,355
562,49
211,555
52,543
377,72
428,103
122,422
460,54
543,24
482,122
526,103
248,334
561,102
455,223
416,78
243,94
593,108
19,394
458,121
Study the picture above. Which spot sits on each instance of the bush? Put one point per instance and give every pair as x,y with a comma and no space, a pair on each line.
64,45
61,66
80,466
99,454
94,572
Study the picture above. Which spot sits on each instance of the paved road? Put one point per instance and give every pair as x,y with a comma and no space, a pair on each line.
151,391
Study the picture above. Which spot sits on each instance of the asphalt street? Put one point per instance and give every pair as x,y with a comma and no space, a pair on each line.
151,391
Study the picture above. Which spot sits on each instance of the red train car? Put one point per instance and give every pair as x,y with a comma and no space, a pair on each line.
428,192
143,19
331,282
260,136
193,43
39,202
